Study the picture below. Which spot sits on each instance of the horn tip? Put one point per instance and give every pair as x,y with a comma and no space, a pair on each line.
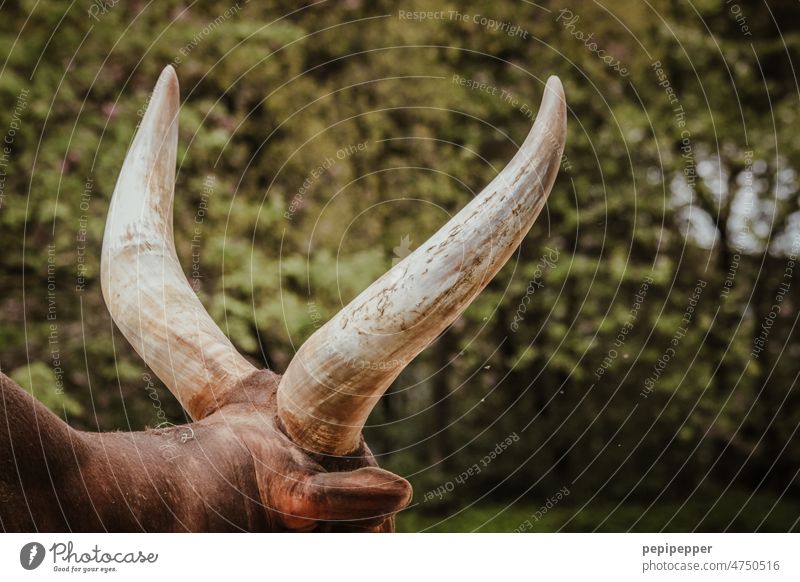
168,74
167,85
553,111
554,93
162,111
554,84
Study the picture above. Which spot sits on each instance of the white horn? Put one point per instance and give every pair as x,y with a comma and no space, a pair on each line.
338,375
144,287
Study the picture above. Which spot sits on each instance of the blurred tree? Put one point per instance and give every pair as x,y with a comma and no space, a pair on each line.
316,138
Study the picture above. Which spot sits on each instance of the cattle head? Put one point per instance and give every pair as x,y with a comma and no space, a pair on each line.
304,428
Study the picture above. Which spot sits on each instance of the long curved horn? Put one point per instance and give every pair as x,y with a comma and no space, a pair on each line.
338,375
144,287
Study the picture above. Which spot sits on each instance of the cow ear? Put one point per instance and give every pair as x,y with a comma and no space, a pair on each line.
366,497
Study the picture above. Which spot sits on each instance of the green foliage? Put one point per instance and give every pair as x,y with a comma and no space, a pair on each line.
737,511
41,382
275,246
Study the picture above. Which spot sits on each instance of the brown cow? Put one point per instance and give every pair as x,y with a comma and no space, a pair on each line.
265,452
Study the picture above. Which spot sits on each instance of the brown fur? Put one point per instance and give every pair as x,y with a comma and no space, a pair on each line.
235,470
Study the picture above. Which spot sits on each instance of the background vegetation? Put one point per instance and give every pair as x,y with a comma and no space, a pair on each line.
679,170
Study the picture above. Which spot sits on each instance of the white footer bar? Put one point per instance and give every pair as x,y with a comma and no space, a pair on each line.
416,557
